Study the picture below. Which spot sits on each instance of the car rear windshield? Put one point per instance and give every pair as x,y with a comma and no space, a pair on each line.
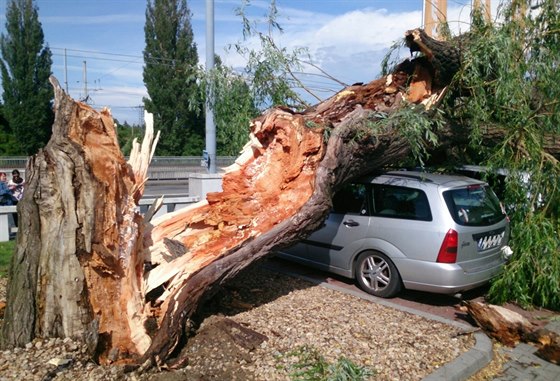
474,205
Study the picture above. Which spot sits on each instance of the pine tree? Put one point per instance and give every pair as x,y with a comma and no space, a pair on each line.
26,67
170,67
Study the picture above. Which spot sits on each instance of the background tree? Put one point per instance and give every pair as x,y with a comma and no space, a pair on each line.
126,133
170,68
26,67
234,107
8,144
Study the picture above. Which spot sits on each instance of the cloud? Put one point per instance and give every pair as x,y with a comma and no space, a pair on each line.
349,46
95,20
359,30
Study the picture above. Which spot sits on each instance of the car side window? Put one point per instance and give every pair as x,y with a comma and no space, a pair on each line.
401,202
351,200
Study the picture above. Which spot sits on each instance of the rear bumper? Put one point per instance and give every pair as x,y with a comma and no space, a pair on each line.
445,278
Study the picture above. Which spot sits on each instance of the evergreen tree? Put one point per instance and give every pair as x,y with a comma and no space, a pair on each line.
170,67
26,67
8,146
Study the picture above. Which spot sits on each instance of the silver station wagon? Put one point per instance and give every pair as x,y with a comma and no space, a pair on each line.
421,231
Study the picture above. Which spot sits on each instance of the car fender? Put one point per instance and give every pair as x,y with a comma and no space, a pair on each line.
380,245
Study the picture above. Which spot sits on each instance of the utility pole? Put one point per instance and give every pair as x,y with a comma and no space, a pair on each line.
210,125
202,183
65,71
431,24
435,13
85,83
487,11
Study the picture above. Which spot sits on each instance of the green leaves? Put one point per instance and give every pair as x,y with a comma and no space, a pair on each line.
510,80
532,278
271,68
311,366
416,125
234,107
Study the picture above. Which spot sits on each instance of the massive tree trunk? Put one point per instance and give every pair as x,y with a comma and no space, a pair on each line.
88,265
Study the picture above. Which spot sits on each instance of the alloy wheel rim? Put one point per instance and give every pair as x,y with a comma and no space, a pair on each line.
376,273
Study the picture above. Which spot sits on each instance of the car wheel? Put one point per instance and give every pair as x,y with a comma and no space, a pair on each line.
377,275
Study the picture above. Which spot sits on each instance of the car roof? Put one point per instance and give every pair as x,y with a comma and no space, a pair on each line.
404,177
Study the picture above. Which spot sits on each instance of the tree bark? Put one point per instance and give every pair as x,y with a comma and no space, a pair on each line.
509,328
89,266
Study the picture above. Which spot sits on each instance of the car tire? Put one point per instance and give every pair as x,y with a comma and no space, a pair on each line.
377,275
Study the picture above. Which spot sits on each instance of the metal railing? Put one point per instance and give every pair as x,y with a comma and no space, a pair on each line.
157,161
13,162
161,168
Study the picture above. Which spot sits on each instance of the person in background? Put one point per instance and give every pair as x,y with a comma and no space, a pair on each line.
16,185
6,195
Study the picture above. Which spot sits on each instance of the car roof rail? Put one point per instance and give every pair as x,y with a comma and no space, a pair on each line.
415,176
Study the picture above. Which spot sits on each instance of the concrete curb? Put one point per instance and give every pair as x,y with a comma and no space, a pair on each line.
467,363
464,366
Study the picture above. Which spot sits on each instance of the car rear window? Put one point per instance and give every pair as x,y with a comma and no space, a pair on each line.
474,205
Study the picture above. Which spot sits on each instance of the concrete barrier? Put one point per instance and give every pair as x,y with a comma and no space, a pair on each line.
7,223
170,204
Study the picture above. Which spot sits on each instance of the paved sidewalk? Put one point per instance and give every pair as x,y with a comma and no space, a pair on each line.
524,365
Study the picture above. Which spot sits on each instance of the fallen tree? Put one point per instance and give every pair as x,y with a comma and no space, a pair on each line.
88,265
509,328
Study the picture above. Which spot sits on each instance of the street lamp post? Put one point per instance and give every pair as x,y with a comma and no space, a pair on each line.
210,125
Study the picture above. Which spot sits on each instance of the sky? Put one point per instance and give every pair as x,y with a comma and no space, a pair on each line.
97,44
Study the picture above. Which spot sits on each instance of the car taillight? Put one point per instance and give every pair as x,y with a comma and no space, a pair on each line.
448,250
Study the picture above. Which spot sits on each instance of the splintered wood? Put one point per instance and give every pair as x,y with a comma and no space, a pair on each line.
273,177
128,283
509,328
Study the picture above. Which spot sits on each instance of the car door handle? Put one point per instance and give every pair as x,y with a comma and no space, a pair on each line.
351,223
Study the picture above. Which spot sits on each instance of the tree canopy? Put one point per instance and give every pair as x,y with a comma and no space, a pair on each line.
170,76
510,82
504,97
25,67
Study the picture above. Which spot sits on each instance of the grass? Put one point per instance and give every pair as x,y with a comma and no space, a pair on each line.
6,252
311,366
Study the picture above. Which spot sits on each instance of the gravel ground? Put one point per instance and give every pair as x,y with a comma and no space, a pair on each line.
254,328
